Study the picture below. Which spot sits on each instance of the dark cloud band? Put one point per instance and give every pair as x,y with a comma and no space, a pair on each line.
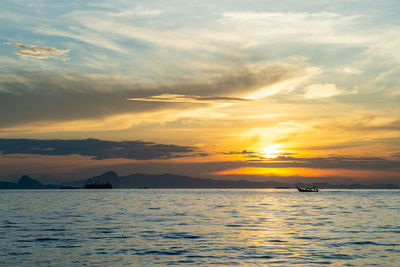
29,97
354,163
289,160
97,149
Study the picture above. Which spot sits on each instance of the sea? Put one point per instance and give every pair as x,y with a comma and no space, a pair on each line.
203,227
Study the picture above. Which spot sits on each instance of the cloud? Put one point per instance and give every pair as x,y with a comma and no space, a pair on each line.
173,98
303,27
248,155
80,34
243,152
350,71
333,162
322,91
47,98
365,122
41,52
289,123
95,23
97,149
233,31
253,156
137,11
293,160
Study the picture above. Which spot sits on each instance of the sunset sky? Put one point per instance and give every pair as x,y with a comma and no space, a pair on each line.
259,90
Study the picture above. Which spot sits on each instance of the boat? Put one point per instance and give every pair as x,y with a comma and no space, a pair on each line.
307,189
96,185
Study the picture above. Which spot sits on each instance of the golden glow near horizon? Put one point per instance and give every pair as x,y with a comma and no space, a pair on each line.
307,172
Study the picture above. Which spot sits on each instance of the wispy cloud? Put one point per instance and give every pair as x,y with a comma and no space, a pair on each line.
324,91
82,35
366,122
138,11
41,52
97,149
350,71
289,123
173,98
321,27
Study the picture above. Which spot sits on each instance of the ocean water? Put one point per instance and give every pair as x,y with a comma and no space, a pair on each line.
201,227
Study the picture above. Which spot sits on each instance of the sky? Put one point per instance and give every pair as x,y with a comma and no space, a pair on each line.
288,91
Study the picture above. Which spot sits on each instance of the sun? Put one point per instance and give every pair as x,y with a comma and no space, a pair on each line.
271,152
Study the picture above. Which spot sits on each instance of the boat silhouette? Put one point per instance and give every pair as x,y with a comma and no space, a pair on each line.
97,185
307,189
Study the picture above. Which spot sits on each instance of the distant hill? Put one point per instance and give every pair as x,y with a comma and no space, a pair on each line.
140,180
26,182
108,177
29,183
178,181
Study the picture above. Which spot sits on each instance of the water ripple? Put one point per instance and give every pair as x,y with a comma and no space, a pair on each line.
199,227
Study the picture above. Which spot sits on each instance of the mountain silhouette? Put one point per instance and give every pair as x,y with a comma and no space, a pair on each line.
140,180
167,180
27,182
107,177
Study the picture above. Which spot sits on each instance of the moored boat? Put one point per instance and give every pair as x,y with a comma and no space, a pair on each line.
96,185
307,189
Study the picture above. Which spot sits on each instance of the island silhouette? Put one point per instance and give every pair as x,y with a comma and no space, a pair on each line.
140,180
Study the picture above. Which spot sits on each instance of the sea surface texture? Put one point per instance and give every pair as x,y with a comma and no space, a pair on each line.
199,227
